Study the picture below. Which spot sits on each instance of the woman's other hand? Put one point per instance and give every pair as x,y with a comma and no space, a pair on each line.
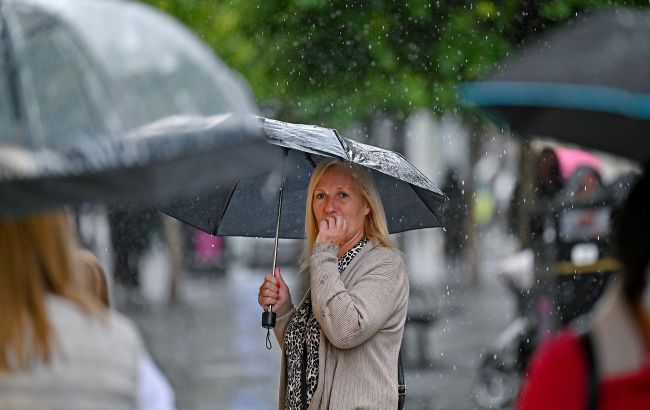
332,229
274,292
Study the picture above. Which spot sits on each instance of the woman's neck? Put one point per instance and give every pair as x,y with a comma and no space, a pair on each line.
349,244
643,319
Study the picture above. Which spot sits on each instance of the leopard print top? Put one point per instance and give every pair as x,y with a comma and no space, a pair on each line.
302,340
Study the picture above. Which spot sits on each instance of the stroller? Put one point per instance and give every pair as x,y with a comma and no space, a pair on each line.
499,372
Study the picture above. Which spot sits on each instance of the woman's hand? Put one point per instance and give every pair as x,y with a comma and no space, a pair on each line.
332,229
274,292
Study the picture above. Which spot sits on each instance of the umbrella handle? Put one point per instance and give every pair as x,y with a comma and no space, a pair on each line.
268,319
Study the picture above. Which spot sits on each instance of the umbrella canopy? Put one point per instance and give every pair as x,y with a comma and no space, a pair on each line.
90,98
584,83
571,159
248,207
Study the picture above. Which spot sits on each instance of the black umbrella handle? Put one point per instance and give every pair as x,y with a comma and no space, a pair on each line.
268,317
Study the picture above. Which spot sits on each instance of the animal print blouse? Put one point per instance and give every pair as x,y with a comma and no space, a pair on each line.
301,343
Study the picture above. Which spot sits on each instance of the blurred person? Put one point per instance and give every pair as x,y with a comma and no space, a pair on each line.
455,218
60,347
561,172
584,183
131,228
548,174
341,343
607,364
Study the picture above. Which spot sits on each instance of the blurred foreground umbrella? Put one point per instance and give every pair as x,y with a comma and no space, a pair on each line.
255,207
585,83
90,98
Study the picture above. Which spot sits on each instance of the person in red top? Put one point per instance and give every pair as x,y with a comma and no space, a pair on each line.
619,330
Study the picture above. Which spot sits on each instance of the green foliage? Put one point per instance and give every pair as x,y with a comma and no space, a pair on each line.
337,61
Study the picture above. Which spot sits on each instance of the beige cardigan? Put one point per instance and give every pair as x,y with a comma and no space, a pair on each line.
361,313
94,365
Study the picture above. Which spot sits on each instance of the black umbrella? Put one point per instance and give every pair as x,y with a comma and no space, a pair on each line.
585,82
90,98
248,207
274,206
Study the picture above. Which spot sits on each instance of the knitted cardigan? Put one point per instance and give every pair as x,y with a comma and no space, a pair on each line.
361,312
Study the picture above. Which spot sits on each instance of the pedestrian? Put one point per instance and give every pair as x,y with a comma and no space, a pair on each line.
455,218
131,227
340,345
563,374
60,348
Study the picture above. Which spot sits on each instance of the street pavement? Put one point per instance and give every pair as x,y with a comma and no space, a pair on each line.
212,348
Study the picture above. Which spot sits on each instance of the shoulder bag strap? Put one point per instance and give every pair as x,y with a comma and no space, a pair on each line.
592,369
303,377
401,386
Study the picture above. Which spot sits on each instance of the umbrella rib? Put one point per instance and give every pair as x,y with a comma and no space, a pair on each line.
223,212
346,148
311,161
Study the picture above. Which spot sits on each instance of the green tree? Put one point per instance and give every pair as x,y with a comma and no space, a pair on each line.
337,61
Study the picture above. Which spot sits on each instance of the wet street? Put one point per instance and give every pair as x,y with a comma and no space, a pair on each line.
212,348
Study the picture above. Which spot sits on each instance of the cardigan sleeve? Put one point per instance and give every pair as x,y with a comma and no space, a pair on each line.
351,316
281,323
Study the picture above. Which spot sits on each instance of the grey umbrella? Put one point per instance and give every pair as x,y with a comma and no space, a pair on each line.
274,205
585,82
247,207
112,100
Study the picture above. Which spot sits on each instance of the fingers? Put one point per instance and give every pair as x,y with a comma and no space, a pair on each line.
268,293
271,279
332,223
333,228
268,296
323,225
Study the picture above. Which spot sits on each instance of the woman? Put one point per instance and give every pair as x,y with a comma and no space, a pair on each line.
341,344
619,333
59,347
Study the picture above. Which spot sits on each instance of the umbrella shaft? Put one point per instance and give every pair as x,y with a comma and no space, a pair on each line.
277,223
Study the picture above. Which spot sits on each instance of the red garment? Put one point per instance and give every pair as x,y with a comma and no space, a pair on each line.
557,379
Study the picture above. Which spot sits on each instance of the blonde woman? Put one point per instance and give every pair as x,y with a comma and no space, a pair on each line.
60,348
340,345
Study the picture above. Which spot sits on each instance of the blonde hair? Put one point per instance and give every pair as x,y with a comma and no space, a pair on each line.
35,260
375,225
91,275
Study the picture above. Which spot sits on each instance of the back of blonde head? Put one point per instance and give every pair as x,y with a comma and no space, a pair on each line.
375,225
91,275
35,260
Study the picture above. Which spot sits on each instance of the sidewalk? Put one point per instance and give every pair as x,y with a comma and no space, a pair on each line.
469,320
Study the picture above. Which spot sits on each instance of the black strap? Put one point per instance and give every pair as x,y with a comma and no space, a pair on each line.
303,377
592,369
401,386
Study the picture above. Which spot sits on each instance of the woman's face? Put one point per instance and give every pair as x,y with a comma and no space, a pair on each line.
338,193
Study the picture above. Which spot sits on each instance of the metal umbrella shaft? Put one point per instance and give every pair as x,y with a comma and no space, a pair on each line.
268,316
